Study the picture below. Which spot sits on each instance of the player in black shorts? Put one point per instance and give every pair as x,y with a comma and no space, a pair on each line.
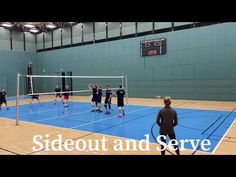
3,98
108,100
66,96
120,101
94,96
58,94
34,97
99,98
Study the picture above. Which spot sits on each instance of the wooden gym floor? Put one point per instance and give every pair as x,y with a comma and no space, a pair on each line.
18,139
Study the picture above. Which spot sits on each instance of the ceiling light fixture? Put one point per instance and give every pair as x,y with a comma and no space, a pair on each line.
50,25
29,25
7,24
34,30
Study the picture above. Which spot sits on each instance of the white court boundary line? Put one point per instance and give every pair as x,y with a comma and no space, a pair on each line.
82,113
60,116
96,133
126,137
89,132
38,112
101,134
223,137
113,135
72,128
108,118
68,128
120,136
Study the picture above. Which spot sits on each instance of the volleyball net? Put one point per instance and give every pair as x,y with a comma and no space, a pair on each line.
44,86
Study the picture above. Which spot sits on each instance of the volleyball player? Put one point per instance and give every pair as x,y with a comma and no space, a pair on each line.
58,93
34,97
120,101
3,98
167,119
99,98
107,102
94,97
66,96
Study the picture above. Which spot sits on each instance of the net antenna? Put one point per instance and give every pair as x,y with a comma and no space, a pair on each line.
82,80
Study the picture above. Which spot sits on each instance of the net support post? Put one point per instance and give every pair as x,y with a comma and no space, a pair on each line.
31,85
126,89
17,97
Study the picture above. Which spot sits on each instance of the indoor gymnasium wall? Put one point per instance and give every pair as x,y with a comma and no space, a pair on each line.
4,39
12,62
199,64
39,41
15,59
17,41
30,42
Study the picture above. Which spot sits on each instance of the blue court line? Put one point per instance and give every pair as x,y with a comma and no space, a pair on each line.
137,122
